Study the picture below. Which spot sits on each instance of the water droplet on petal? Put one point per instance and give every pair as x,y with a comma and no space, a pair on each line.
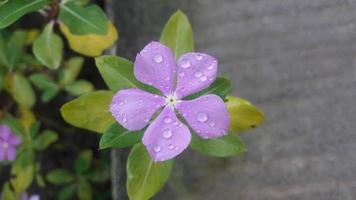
167,120
210,67
124,120
212,124
175,123
156,149
167,134
185,64
199,57
147,120
202,117
167,78
198,74
158,58
203,78
122,103
171,146
181,74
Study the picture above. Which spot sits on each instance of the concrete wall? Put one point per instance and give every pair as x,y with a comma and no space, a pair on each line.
296,59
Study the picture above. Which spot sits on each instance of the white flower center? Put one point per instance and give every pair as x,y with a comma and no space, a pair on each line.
171,100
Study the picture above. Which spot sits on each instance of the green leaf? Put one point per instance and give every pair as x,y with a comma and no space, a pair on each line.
46,84
82,164
228,145
71,70
45,139
220,87
84,20
67,192
40,181
2,2
22,171
13,10
84,189
79,87
7,193
243,115
2,79
117,136
90,111
178,35
59,176
80,2
14,124
144,176
15,48
48,48
22,91
117,72
100,173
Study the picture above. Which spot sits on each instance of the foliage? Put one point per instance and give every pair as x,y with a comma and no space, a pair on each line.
35,62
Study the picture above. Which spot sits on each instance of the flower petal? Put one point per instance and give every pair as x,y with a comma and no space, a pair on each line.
14,140
206,115
5,132
11,153
166,137
133,108
155,66
195,72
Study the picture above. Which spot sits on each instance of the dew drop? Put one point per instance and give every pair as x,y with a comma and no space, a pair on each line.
122,103
203,78
167,120
181,74
185,64
199,57
175,123
158,58
167,134
156,96
212,124
124,119
147,120
198,74
210,67
202,117
170,146
156,149
167,78
5,145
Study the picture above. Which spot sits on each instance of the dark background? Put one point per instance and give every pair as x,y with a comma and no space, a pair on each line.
295,59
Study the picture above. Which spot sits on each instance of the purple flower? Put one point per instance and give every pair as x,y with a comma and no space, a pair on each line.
8,143
24,196
167,136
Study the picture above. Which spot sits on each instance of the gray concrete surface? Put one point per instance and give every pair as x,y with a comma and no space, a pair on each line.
296,59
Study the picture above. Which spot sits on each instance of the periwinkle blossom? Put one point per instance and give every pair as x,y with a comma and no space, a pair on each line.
8,144
167,136
25,196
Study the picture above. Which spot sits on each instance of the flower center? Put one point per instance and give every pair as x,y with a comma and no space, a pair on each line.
171,100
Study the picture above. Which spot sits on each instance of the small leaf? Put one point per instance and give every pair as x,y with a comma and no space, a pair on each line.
117,136
22,172
7,193
79,87
117,72
243,115
220,87
90,44
178,35
229,145
84,189
144,176
67,192
40,181
22,91
15,49
84,20
45,139
90,111
59,176
82,164
48,48
98,174
71,70
46,84
27,118
13,10
32,34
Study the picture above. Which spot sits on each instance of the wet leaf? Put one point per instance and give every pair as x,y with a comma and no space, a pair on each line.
144,176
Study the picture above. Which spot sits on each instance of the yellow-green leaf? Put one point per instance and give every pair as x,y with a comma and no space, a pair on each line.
90,44
90,111
243,115
22,91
